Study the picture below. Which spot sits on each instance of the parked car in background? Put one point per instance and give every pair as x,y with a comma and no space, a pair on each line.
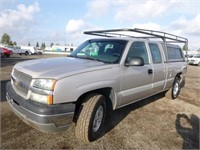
195,60
6,52
19,50
40,51
32,49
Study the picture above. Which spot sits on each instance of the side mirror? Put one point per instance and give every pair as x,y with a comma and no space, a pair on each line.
135,61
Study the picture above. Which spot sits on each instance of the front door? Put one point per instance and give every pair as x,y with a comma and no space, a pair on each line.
136,80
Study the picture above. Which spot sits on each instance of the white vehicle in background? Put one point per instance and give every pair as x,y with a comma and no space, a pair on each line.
40,51
32,49
195,60
19,50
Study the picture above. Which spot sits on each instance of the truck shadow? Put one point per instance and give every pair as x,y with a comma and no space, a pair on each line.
188,129
3,90
115,117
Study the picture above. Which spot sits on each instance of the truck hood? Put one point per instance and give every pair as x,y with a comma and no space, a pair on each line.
58,68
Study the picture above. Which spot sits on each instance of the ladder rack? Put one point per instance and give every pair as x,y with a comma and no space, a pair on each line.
148,34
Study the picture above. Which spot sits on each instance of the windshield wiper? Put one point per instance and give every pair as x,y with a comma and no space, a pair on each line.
71,56
90,58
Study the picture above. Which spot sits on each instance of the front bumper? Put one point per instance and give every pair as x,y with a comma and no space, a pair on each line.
46,118
193,62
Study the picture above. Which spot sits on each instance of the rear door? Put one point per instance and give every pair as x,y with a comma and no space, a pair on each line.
159,69
136,80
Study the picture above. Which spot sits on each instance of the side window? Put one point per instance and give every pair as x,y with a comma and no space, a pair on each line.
138,49
155,53
174,53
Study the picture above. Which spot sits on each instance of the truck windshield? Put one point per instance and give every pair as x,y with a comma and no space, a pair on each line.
107,51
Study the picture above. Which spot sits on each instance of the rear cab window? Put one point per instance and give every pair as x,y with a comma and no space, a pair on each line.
174,54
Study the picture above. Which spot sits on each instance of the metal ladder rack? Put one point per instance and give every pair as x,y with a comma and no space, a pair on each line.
148,34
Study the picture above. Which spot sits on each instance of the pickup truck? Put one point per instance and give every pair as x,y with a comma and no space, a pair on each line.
101,74
19,50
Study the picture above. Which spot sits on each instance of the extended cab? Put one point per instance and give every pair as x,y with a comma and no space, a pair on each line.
102,73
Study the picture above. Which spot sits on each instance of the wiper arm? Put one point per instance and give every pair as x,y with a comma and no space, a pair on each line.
87,57
71,56
91,58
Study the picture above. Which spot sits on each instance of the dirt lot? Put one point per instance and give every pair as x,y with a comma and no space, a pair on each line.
153,123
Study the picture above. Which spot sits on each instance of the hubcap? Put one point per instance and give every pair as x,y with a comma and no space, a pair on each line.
176,89
98,118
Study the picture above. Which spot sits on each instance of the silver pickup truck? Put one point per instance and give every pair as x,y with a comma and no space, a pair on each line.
121,68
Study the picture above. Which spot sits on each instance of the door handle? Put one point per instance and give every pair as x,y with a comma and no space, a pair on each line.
150,71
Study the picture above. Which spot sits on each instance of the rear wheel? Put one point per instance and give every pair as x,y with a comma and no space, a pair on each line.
91,118
174,91
26,53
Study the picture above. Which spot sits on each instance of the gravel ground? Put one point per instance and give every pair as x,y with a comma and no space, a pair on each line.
153,123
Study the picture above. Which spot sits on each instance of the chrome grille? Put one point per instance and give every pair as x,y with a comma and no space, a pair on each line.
22,76
21,82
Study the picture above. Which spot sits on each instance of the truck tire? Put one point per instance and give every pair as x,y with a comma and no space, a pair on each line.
174,91
26,53
90,120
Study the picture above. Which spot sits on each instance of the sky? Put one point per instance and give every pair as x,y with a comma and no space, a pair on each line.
63,21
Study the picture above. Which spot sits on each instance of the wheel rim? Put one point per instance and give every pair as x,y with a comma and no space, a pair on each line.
98,118
176,89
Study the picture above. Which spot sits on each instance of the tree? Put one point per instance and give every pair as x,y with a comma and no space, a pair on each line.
10,43
43,46
5,39
37,44
29,44
185,47
51,44
15,43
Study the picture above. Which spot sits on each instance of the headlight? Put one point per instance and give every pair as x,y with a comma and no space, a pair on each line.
46,84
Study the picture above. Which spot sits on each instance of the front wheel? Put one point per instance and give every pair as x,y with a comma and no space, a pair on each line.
174,91
91,118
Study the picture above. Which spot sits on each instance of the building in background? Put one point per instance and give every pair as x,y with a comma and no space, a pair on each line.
59,48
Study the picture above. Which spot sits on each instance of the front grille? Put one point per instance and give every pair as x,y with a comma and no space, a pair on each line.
21,82
22,77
